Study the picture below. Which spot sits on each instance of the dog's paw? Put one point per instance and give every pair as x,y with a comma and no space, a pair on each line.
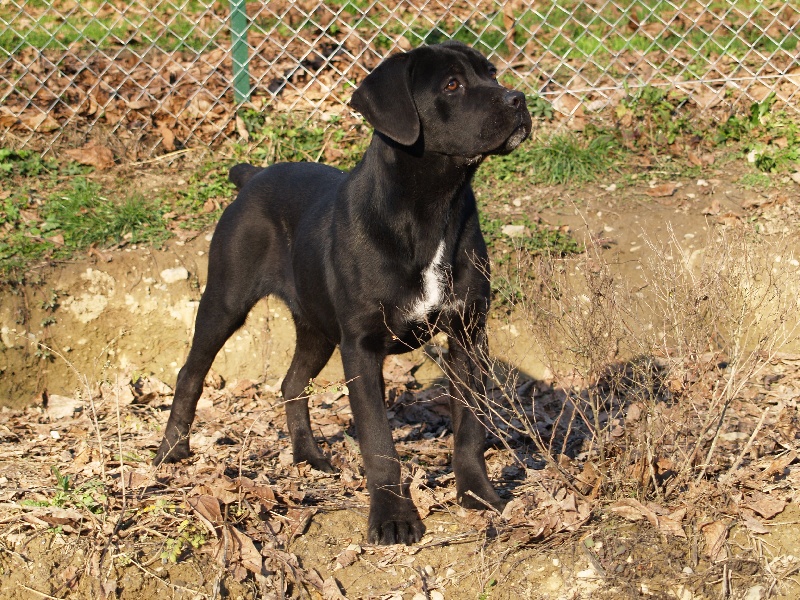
313,457
172,452
320,463
478,494
394,522
475,502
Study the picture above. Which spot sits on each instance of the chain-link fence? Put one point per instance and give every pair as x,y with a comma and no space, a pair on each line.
158,75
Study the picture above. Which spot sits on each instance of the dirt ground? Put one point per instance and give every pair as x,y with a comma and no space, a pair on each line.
84,396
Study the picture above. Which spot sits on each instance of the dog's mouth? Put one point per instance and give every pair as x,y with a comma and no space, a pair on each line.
517,137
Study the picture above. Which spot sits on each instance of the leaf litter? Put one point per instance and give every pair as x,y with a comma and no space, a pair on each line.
78,470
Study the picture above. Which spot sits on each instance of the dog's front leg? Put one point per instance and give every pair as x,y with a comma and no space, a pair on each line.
467,369
393,518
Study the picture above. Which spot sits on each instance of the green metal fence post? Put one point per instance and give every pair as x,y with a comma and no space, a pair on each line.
239,51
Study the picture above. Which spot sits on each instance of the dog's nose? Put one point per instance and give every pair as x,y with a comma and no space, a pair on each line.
514,99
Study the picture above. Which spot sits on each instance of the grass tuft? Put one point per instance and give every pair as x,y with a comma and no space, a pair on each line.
85,217
566,158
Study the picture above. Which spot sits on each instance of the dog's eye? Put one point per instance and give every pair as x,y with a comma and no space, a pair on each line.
452,85
493,73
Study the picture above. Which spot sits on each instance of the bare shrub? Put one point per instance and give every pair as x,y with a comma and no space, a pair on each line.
647,365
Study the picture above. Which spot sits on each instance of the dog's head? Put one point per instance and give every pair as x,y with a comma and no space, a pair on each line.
447,97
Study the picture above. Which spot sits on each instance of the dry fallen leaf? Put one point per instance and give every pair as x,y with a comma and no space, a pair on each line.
754,525
730,219
712,209
94,155
778,465
421,495
765,505
62,407
241,129
662,190
7,118
715,534
42,122
345,558
167,137
264,493
208,510
633,510
331,591
237,547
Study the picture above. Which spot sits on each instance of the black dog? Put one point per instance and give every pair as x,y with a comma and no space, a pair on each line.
375,261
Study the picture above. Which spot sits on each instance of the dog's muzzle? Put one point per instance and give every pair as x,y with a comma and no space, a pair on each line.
516,100
517,137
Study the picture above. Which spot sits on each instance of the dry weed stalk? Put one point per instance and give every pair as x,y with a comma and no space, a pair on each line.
647,364
732,306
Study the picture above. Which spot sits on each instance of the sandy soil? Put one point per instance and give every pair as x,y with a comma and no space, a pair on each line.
125,316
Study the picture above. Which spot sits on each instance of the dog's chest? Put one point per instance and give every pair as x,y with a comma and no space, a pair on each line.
433,296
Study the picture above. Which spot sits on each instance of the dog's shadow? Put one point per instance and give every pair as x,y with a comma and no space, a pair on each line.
535,422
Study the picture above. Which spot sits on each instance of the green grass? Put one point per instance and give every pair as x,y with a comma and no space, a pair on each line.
281,138
89,495
70,220
537,239
755,181
557,159
661,122
566,28
43,25
83,216
51,211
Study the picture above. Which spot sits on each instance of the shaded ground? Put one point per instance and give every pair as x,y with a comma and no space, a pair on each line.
82,514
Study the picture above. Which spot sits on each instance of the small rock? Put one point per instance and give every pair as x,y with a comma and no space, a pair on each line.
437,595
513,231
596,105
755,593
429,570
175,274
285,457
60,407
516,202
611,188
683,593
796,177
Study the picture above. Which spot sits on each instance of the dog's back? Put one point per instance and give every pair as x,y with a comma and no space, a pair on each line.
284,192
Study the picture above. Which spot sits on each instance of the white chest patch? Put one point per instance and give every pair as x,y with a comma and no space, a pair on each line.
433,288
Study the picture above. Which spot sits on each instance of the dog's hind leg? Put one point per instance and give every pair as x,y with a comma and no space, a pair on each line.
311,353
216,321
467,370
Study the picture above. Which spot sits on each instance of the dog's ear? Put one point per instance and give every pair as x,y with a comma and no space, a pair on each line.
385,100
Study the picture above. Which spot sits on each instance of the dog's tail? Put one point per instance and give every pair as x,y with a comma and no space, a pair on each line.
241,174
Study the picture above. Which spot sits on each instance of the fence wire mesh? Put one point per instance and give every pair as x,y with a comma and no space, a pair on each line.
158,75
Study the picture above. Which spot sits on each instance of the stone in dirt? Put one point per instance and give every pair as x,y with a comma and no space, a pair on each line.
174,275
